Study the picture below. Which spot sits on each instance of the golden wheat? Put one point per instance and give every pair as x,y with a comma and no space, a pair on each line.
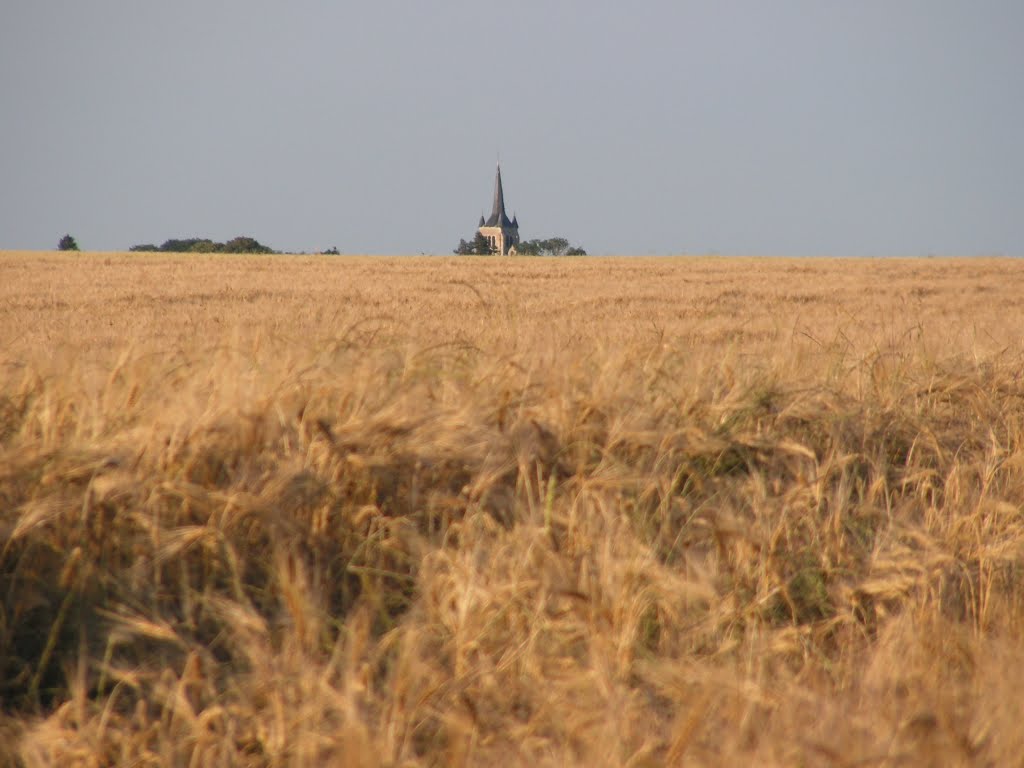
364,511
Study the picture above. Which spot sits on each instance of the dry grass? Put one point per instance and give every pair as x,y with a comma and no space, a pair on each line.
354,511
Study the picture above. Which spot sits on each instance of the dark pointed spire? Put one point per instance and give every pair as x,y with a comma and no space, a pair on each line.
499,196
498,217
481,220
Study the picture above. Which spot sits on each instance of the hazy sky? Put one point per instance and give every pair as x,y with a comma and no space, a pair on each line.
819,127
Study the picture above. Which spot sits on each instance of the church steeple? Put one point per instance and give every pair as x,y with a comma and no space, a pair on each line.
501,232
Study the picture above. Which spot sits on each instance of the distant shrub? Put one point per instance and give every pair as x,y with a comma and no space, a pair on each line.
67,243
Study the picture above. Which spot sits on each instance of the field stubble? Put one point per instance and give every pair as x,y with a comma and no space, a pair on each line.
356,511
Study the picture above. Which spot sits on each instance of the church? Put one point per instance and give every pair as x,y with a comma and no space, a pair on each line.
501,233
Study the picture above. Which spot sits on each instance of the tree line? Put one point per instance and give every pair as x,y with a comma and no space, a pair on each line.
204,245
479,245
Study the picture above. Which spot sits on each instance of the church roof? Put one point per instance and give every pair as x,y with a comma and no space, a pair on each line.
498,217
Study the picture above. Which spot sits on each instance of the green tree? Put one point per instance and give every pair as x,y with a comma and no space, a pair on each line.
241,244
552,246
179,246
67,243
245,245
205,246
556,246
482,245
478,246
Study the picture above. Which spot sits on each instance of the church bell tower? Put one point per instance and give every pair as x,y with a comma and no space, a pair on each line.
501,233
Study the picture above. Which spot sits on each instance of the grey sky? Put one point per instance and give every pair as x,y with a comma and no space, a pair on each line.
784,127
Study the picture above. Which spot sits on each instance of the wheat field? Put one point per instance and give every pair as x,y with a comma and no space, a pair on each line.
356,511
